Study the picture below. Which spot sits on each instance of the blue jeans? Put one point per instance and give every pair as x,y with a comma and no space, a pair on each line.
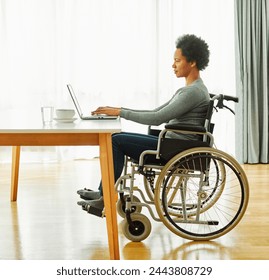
131,145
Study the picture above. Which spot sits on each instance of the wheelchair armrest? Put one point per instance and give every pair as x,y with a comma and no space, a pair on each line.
193,128
153,131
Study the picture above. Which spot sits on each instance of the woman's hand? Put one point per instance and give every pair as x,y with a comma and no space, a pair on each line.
111,111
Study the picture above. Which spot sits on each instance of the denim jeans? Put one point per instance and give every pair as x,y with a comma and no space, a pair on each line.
131,145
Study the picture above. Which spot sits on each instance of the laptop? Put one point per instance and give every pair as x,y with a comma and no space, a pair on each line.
81,115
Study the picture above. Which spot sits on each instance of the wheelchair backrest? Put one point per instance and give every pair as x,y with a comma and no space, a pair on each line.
169,147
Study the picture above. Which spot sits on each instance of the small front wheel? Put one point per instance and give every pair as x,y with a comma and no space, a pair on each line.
139,229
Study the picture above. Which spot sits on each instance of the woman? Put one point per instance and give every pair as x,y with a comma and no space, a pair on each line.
187,106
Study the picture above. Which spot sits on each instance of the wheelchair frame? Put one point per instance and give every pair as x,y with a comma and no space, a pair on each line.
198,192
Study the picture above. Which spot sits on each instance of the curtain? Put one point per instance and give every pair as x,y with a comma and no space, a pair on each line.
252,46
113,52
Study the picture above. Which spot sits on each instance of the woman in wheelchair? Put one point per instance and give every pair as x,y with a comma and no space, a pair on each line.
188,106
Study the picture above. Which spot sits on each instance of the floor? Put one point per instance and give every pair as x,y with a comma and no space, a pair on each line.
47,224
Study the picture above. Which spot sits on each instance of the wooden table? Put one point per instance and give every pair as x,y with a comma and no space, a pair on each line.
20,131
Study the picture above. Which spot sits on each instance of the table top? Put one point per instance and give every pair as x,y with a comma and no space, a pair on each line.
22,123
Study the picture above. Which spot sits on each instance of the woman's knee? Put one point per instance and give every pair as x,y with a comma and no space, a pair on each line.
116,137
119,137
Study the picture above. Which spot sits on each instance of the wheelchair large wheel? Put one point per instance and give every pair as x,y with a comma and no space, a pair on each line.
201,194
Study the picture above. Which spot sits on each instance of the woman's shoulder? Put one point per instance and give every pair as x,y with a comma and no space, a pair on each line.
194,88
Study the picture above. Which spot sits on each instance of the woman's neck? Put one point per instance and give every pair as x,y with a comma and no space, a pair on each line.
191,78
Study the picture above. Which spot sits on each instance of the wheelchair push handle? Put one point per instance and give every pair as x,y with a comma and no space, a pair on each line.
231,98
221,98
224,97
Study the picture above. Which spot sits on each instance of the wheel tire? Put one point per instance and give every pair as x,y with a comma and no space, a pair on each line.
141,229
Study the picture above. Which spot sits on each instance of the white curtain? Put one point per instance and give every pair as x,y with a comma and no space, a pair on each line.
113,52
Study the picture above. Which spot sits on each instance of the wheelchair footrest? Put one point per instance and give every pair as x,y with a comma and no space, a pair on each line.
96,211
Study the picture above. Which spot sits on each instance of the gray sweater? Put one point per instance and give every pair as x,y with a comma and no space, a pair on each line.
187,106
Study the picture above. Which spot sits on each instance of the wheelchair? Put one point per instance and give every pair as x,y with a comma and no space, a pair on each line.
197,191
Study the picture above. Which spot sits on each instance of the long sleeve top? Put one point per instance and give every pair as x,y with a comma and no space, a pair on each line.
187,106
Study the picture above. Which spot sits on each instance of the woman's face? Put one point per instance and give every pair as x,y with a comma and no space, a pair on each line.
182,67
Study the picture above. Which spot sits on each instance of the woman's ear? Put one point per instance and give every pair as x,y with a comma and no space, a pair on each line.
193,63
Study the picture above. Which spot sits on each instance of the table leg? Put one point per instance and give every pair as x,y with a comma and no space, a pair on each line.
107,172
15,172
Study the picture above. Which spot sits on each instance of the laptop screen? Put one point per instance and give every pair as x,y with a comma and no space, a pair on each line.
74,98
78,108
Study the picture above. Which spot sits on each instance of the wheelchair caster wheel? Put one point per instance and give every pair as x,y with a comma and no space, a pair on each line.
138,230
134,209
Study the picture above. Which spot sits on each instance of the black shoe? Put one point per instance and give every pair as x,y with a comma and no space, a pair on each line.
89,194
94,207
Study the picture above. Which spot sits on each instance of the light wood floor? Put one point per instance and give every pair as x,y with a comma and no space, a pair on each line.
46,223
